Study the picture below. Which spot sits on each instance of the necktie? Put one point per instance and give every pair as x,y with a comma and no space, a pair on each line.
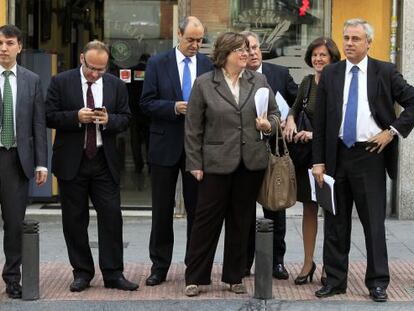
91,148
7,130
186,80
351,112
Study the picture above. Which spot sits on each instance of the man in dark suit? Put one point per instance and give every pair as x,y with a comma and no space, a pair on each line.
354,140
23,148
88,108
167,85
280,81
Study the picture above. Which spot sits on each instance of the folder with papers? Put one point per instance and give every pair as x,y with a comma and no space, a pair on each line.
324,196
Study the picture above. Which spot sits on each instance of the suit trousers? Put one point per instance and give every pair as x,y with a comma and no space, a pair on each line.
279,233
359,178
230,198
14,187
163,183
93,181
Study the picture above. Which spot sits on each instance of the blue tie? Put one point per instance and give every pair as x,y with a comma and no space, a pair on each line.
186,80
351,112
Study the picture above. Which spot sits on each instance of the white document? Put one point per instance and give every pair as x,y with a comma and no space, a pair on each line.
330,182
283,106
261,100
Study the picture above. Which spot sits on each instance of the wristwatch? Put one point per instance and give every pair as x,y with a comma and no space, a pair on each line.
392,132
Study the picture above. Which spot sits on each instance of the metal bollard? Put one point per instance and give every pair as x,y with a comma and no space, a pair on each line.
264,259
30,260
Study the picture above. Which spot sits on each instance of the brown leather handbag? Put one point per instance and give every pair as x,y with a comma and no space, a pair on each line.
278,190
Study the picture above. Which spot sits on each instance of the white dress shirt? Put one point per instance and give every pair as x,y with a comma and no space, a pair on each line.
366,125
13,84
97,92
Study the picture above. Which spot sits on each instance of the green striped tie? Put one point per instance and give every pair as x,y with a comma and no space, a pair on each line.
7,130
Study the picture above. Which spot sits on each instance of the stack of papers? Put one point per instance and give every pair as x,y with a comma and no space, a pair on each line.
324,196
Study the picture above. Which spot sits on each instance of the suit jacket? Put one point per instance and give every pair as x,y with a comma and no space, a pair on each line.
160,92
63,101
30,121
385,85
281,81
221,133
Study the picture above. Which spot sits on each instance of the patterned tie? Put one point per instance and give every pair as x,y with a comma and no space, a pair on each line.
7,130
351,112
186,80
91,148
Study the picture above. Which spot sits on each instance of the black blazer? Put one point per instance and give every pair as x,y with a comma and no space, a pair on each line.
385,86
160,92
63,101
281,81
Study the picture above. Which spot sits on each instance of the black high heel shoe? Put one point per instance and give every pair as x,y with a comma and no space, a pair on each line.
301,280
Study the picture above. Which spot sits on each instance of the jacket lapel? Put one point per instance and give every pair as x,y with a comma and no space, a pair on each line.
172,69
246,87
372,86
339,89
21,91
223,89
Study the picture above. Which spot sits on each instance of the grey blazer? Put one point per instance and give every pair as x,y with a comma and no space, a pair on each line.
219,133
30,121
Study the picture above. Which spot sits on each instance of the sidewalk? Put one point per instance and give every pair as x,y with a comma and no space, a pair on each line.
56,274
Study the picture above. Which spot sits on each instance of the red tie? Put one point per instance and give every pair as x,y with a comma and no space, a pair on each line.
91,148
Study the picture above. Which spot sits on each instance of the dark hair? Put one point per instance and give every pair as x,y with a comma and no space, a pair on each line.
225,44
330,46
11,31
95,45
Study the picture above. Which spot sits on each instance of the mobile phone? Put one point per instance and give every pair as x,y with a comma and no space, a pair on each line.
98,109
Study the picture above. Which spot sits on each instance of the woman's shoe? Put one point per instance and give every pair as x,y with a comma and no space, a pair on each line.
191,290
323,277
238,288
300,280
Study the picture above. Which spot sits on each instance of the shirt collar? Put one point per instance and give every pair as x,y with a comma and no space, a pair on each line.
260,69
228,76
180,56
13,69
362,65
84,81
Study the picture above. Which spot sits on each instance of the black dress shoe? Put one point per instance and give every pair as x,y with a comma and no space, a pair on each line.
328,291
378,294
14,290
155,279
79,284
120,283
280,272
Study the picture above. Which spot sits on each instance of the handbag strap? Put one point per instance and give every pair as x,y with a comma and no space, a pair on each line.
308,88
279,130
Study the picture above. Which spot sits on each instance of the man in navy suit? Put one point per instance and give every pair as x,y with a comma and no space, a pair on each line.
164,98
23,148
355,140
280,81
88,108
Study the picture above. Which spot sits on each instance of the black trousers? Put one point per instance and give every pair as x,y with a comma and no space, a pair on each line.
359,178
93,181
163,182
279,233
230,198
14,187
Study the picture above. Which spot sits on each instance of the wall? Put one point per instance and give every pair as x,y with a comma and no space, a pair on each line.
376,12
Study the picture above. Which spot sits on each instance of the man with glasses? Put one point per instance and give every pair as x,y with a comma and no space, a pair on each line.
88,108
167,86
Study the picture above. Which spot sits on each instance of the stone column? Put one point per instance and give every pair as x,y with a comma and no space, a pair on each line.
405,182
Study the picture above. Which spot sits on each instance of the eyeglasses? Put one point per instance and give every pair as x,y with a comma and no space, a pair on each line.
241,50
98,71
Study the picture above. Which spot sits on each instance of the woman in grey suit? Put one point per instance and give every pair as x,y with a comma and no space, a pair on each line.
227,153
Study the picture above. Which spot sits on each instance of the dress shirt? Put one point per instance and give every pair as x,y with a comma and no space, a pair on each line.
366,125
13,84
97,92
180,64
234,89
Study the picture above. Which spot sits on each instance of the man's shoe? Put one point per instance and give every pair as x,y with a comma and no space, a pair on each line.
192,290
328,291
238,288
79,284
155,279
14,290
378,294
120,283
280,272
